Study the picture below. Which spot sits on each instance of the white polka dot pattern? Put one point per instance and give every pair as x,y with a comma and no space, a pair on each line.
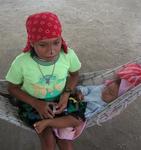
41,26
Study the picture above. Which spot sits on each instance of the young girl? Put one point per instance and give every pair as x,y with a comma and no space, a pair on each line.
46,71
94,98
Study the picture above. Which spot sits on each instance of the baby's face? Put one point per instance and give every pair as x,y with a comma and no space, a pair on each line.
110,92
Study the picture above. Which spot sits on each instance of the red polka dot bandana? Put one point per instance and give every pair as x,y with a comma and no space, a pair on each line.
42,26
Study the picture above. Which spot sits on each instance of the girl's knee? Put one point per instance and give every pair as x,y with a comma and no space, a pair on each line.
65,144
46,132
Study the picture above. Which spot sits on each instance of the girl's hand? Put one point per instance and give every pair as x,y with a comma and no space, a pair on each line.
62,103
43,109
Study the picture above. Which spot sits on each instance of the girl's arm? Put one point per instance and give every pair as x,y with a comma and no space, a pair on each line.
59,122
40,106
70,85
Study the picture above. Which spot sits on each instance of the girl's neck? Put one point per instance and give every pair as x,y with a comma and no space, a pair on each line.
42,61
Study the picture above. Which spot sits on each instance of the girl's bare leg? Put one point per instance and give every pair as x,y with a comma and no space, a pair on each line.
48,140
65,144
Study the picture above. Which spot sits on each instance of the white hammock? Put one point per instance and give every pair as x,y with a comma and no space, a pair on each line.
9,113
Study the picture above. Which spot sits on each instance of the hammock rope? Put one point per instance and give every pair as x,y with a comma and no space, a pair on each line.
8,112
117,106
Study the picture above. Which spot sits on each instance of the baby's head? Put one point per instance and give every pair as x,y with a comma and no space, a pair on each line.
110,91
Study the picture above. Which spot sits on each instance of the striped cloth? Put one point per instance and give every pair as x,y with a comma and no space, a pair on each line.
131,73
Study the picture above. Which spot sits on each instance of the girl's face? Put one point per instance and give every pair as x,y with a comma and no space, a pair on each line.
48,49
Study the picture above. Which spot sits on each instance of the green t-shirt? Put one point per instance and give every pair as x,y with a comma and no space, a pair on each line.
26,71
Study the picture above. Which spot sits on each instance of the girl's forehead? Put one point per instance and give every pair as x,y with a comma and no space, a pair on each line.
49,40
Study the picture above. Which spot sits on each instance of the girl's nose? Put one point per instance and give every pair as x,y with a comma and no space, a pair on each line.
52,51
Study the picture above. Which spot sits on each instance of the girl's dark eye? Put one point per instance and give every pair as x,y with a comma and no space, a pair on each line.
42,45
56,43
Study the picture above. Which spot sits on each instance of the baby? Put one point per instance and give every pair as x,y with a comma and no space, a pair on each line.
90,100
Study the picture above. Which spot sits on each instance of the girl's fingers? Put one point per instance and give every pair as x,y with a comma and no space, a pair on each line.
36,128
50,111
41,116
59,110
47,114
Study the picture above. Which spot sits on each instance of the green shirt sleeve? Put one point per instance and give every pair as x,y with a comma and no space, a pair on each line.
75,63
14,74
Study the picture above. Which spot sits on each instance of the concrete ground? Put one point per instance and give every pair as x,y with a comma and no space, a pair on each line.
105,34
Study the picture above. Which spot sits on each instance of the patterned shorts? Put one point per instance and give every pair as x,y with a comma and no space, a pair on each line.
29,115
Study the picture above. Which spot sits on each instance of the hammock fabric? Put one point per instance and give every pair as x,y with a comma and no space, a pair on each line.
8,111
